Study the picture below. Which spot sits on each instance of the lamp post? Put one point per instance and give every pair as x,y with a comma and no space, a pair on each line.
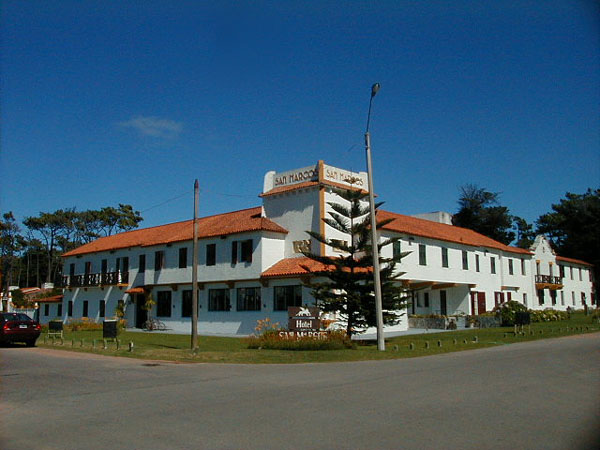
194,340
374,240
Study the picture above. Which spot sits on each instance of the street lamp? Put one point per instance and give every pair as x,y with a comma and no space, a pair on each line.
374,240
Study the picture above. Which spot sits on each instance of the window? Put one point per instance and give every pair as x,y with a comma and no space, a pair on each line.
571,270
102,308
186,303
104,266
211,254
444,257
523,267
142,264
59,310
422,255
247,251
573,297
510,267
537,267
465,260
125,264
540,296
561,270
218,300
72,270
492,264
163,304
550,269
397,249
426,299
85,309
70,308
88,267
159,260
553,297
583,298
476,263
562,298
524,298
580,274
419,304
46,309
286,296
234,252
248,299
183,257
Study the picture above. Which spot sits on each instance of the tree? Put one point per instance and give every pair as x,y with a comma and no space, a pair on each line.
525,233
49,226
66,229
349,288
479,211
122,219
573,226
11,242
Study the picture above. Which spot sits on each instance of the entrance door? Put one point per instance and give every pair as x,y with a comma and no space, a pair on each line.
141,315
443,305
480,302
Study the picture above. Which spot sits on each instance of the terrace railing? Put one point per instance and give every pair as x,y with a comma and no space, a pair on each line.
548,279
96,279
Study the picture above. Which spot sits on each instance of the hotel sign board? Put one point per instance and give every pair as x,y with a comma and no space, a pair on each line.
320,172
310,173
346,177
303,318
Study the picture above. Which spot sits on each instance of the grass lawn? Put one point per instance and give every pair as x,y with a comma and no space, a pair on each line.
173,347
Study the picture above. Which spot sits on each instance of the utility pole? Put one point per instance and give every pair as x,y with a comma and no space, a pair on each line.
194,343
374,240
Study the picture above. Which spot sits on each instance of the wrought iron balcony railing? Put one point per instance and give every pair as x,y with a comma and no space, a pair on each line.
96,279
548,279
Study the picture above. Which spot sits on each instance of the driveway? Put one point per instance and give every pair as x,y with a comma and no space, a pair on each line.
541,394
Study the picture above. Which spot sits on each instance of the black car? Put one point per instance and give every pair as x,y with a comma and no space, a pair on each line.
18,327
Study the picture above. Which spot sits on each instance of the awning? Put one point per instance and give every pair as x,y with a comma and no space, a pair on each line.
135,290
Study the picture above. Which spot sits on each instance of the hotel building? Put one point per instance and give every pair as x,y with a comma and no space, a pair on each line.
251,264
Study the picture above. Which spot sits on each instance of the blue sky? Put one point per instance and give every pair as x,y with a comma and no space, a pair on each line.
128,102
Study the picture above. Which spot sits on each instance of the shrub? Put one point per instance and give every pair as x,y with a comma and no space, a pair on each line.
548,315
83,324
508,312
274,340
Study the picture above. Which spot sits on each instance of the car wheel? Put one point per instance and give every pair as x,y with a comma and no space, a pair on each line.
30,343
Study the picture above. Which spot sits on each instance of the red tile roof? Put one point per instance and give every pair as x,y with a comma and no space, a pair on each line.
218,225
440,231
293,266
572,260
298,266
53,299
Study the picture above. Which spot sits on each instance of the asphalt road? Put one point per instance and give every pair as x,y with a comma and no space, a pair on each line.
537,395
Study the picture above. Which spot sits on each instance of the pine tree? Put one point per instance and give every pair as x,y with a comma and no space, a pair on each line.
349,287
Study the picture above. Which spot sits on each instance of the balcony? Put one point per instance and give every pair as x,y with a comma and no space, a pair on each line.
548,282
96,279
